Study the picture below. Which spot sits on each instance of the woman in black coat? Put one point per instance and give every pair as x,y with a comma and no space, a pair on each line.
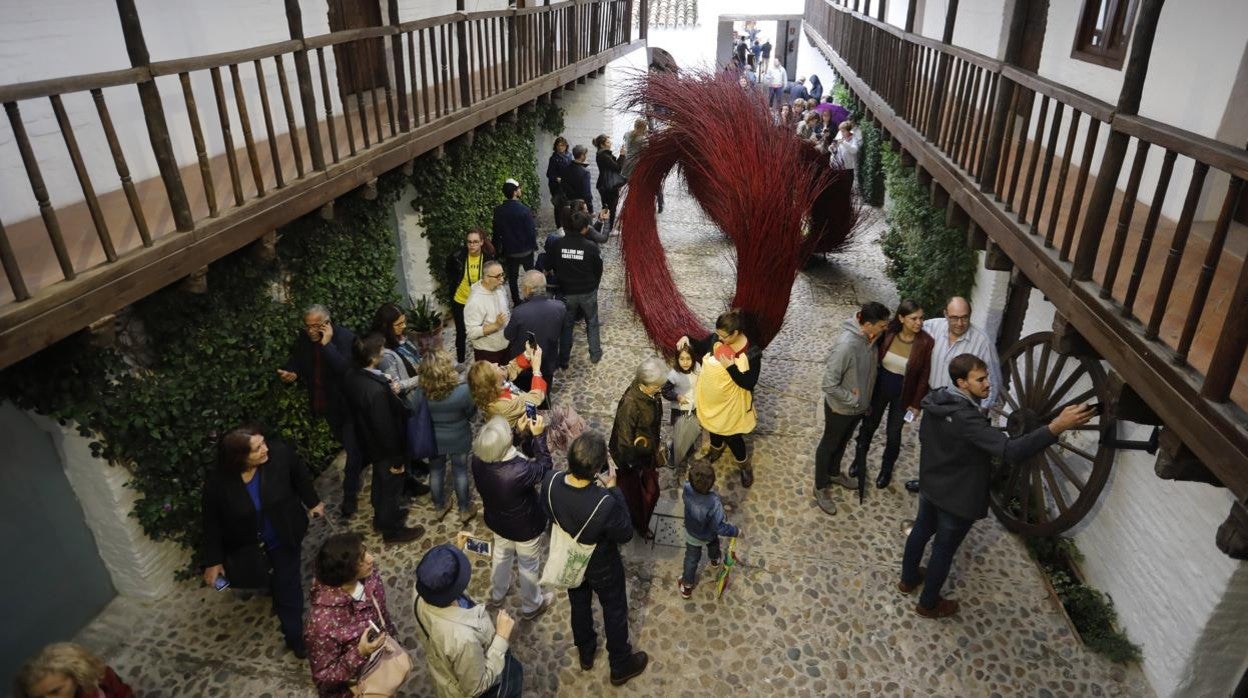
559,160
610,176
255,509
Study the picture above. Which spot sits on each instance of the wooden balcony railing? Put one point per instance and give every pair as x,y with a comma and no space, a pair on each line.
290,138
1136,284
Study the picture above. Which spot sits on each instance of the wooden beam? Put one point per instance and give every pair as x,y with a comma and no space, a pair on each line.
265,249
1232,536
976,239
910,13
1068,341
408,168
196,282
1128,403
995,258
939,196
307,97
326,211
102,333
1015,315
369,190
956,217
1175,461
925,177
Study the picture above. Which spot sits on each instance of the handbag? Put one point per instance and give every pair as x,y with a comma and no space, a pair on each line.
611,180
248,567
568,558
422,443
387,668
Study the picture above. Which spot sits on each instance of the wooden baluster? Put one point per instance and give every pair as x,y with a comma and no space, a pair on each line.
513,78
1228,354
307,93
961,112
396,55
957,91
11,271
1046,169
411,76
477,62
201,151
428,95
964,145
1081,181
1004,158
1059,191
245,122
1125,212
1178,245
447,76
1150,227
123,170
39,189
979,137
227,135
1020,150
385,88
329,109
291,131
1212,256
461,50
1036,138
268,124
84,178
367,44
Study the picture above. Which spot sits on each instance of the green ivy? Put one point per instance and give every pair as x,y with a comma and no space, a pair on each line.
215,360
460,190
928,260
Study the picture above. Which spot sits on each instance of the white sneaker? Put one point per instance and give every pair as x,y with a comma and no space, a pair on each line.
548,600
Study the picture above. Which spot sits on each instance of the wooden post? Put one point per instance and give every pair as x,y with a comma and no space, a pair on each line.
1116,145
1002,118
461,38
1016,301
154,115
880,10
910,12
644,20
942,76
307,98
400,74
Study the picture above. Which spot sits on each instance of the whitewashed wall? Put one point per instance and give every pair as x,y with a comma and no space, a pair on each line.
1149,544
692,46
59,38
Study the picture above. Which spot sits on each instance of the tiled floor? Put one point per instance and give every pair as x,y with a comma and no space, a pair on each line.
815,614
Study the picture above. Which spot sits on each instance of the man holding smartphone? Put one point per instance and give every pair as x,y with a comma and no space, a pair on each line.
537,320
956,446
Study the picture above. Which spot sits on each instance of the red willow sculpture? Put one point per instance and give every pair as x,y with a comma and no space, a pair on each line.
772,194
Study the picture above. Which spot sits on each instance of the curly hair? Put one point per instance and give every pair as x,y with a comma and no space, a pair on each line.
702,477
338,560
68,658
436,374
483,384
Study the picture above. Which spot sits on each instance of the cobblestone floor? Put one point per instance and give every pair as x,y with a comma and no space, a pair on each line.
816,613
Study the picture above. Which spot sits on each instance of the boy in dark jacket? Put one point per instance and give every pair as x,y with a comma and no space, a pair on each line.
704,524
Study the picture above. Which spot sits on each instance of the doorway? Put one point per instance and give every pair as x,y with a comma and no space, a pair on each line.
361,64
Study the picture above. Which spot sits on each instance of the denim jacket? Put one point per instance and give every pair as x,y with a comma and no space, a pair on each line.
704,516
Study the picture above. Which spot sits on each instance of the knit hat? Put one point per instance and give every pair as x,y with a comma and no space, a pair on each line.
442,575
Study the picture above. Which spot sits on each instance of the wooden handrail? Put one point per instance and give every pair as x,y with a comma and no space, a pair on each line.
73,83
1201,148
217,60
345,35
1085,103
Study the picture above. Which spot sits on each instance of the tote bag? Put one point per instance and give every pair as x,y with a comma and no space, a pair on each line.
386,670
565,566
422,443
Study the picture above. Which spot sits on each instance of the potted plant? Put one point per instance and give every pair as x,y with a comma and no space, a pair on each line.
425,321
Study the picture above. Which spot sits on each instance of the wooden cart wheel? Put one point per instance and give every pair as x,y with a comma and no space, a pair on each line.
1050,492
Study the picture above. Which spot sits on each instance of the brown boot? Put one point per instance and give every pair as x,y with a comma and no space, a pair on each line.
747,471
714,453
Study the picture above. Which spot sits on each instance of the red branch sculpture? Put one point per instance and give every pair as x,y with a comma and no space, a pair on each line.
757,182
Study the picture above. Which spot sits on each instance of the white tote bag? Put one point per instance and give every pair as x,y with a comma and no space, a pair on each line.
565,566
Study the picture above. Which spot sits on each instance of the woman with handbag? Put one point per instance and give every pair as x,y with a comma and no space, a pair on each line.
255,509
350,635
467,653
610,176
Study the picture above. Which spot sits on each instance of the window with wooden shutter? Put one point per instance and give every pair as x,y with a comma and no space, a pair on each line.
1104,31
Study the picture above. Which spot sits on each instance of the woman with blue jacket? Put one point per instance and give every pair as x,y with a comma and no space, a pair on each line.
451,409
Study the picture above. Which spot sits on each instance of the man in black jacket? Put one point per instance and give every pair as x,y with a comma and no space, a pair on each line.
515,235
956,446
543,316
381,423
320,358
577,262
576,176
585,500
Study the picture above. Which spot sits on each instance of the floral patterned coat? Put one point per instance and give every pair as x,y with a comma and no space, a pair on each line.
333,630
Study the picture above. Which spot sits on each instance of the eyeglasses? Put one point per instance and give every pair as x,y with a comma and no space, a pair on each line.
958,318
474,242
314,326
499,275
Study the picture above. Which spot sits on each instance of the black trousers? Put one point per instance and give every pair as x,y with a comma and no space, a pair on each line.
287,589
388,515
512,267
613,597
837,428
886,398
461,331
610,199
735,443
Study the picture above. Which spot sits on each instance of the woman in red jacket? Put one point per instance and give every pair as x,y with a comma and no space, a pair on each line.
905,352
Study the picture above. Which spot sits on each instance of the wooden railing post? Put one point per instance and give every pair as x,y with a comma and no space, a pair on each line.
307,98
154,115
400,73
595,27
1116,145
574,32
643,22
461,53
513,51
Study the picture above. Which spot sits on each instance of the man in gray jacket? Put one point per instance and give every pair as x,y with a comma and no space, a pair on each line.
956,446
847,383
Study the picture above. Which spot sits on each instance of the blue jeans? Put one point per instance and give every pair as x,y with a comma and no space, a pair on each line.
949,530
437,479
693,555
586,305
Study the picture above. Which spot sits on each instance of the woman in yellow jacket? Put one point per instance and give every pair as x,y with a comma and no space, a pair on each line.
725,391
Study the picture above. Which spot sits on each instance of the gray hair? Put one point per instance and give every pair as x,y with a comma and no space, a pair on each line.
652,371
317,309
533,282
579,152
492,264
493,441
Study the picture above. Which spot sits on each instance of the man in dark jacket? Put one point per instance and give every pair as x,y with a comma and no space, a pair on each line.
543,316
320,358
764,51
577,262
584,500
956,446
507,482
576,176
515,235
634,443
381,423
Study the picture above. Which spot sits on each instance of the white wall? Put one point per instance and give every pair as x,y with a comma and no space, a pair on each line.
1149,544
694,47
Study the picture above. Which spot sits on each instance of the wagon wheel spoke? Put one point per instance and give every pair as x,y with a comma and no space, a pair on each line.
1008,491
1050,380
1090,392
1056,396
1041,377
1037,491
1054,487
1024,484
1016,384
1028,376
1077,451
1063,466
1010,400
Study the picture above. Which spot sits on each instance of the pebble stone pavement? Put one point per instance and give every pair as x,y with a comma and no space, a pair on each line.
816,614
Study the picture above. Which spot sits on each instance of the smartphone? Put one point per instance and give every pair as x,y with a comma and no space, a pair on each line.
530,340
1096,407
373,631
909,417
530,410
479,546
220,583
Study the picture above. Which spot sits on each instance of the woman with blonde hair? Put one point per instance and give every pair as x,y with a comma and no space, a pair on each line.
495,394
452,409
68,670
